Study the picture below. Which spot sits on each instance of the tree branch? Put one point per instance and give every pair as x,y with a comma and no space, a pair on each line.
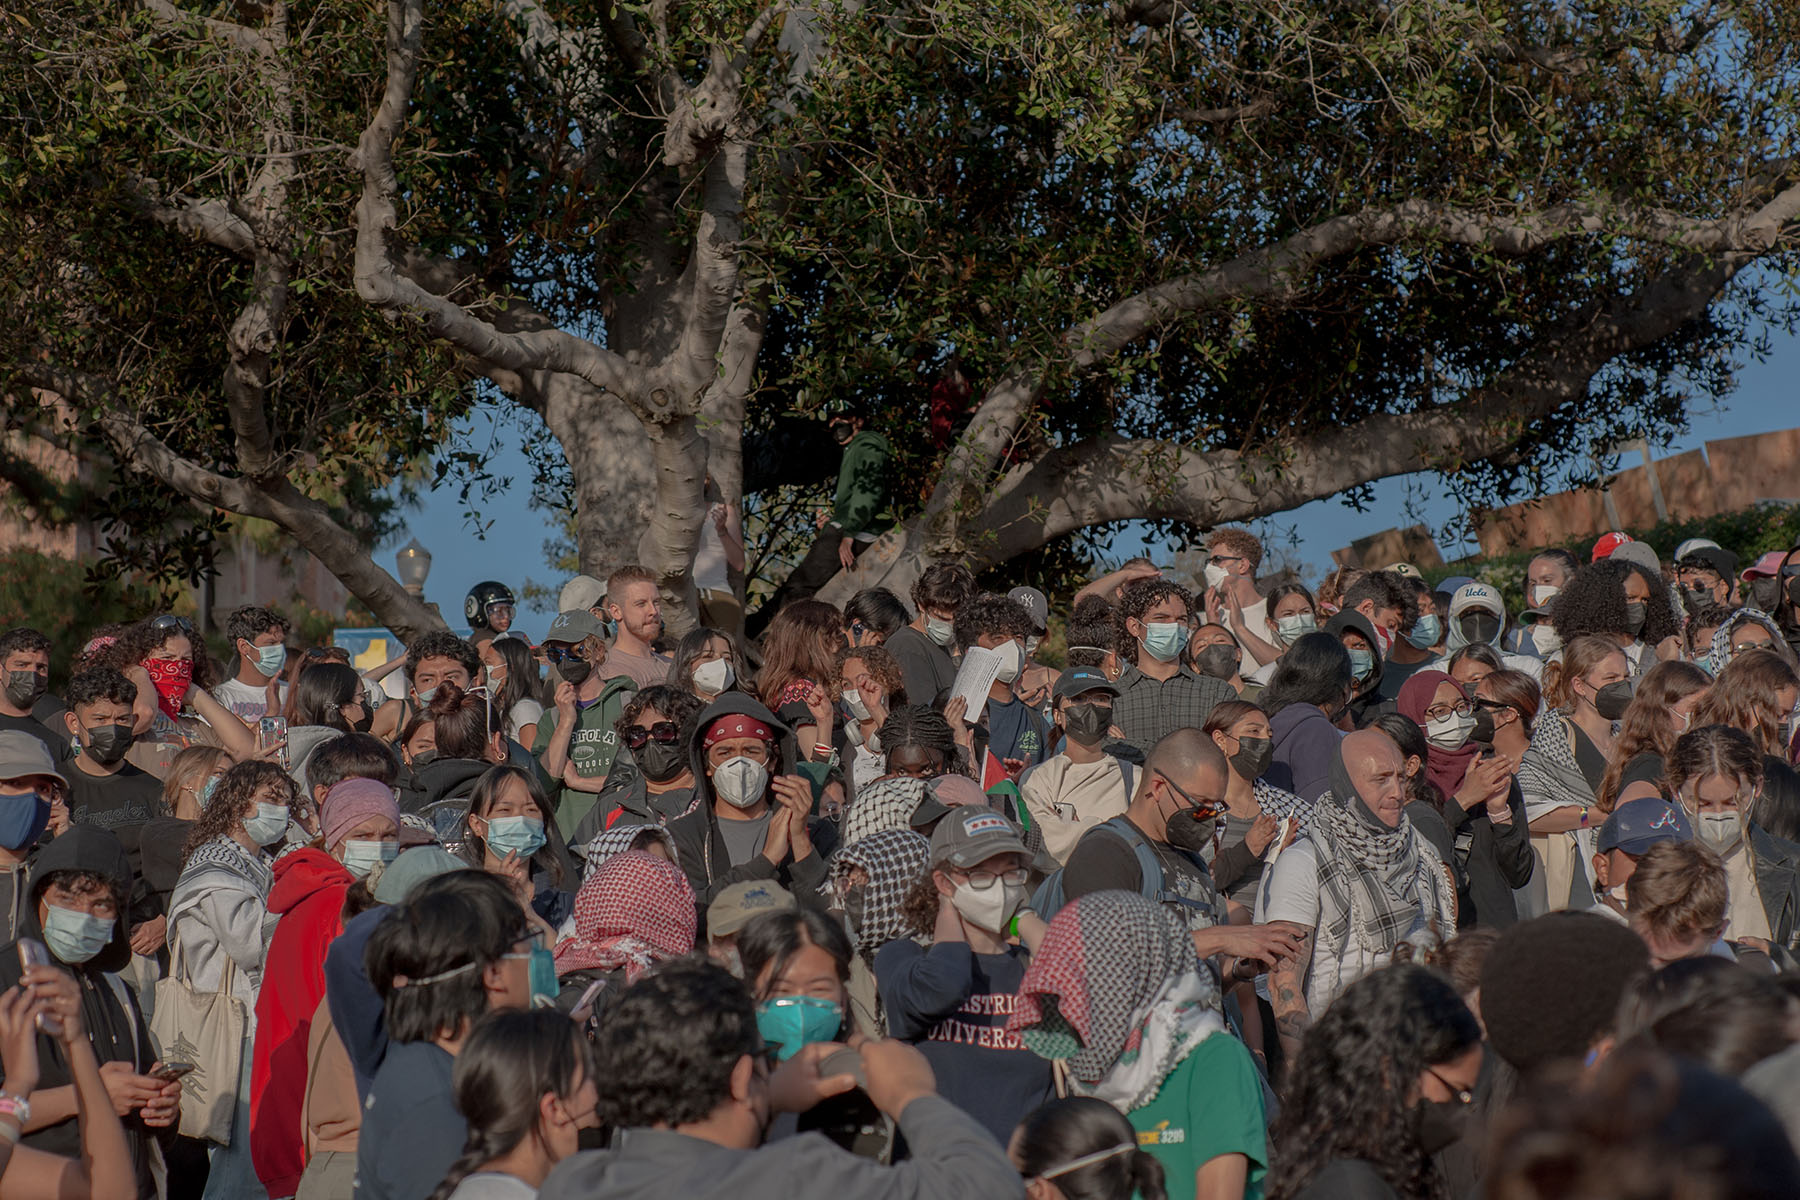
207,220
274,499
225,33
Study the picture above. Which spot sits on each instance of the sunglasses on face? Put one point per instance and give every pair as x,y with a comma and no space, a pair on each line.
665,732
560,654
1199,810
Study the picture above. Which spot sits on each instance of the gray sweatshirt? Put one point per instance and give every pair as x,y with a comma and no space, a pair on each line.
953,1158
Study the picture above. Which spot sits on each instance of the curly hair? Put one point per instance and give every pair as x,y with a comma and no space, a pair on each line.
250,622
1237,541
443,644
1350,1094
919,907
878,662
991,613
1385,589
1646,726
1093,632
1335,584
136,642
1708,617
678,704
1744,697
944,586
1139,599
1594,603
237,795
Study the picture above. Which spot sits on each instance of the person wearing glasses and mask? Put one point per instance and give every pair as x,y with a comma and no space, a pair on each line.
577,740
952,996
1361,882
651,782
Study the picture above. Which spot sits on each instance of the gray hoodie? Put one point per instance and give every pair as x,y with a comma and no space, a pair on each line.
953,1158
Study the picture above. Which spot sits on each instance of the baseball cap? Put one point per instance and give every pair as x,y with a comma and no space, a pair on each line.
1406,569
580,593
1692,544
1639,824
1077,680
1608,543
573,626
944,795
22,755
736,903
1035,604
1641,553
414,867
1768,566
974,835
1713,558
1476,595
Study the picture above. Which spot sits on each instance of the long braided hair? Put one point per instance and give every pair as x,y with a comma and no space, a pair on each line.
511,1060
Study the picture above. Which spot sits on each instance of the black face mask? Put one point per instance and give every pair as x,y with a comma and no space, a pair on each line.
575,671
660,761
1220,661
1484,725
1612,700
855,905
1635,614
107,744
1186,833
841,433
1480,627
362,723
23,688
1253,757
1087,724
1696,598
1440,1124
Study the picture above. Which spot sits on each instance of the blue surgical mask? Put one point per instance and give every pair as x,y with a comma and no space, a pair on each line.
207,790
22,819
1362,664
1292,629
269,823
542,968
74,937
270,660
523,836
1425,632
938,631
1163,640
791,1023
361,855
425,696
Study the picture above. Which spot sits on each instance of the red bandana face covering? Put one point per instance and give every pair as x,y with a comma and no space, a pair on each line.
171,677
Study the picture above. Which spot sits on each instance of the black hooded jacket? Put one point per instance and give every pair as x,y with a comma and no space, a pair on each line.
116,1030
702,847
1367,704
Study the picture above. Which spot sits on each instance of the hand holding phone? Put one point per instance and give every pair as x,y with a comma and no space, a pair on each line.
33,953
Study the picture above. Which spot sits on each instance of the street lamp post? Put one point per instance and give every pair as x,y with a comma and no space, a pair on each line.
413,564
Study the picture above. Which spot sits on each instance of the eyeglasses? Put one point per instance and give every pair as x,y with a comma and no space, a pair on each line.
1463,1095
1492,705
1199,810
664,732
1438,712
1740,647
981,881
559,654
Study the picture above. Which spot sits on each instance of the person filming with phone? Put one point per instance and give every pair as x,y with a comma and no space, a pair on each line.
74,920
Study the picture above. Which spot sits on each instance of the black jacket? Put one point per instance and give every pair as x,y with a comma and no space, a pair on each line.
1778,882
1499,859
116,1029
700,845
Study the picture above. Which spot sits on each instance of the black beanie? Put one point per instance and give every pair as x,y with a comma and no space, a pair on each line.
1550,988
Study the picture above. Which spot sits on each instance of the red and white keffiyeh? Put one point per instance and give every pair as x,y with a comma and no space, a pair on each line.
633,912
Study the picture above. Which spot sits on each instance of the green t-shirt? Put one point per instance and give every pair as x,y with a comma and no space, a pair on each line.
1211,1104
594,746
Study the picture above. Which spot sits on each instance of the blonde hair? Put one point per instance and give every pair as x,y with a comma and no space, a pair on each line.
1679,891
1743,697
1580,657
1646,722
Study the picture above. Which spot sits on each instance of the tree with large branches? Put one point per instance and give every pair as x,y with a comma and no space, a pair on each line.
1201,261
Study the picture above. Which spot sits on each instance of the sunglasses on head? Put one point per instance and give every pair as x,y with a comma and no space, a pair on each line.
171,621
665,732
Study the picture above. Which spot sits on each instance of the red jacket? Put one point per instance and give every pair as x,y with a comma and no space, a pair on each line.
309,894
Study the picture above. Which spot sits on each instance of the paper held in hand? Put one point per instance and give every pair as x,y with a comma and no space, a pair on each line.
980,667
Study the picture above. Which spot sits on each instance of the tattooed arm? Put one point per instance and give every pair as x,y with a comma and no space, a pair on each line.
1287,996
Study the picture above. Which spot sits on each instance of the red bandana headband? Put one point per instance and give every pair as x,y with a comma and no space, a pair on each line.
736,725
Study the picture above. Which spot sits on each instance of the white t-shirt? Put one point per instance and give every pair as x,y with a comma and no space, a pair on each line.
1255,621
492,1185
1290,892
249,702
523,712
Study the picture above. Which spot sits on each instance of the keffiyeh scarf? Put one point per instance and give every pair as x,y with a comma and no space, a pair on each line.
609,843
1720,653
1281,805
1549,776
1116,991
634,912
893,860
1376,882
224,854
883,805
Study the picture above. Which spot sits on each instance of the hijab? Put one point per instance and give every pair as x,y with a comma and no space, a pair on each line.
1445,768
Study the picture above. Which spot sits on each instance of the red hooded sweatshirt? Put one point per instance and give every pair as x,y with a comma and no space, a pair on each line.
309,894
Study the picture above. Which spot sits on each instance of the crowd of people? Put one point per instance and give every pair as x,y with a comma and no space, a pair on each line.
1382,889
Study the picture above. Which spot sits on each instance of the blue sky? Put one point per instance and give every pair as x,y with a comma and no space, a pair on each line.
512,550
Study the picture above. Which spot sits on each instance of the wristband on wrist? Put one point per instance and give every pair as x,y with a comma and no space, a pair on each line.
15,1106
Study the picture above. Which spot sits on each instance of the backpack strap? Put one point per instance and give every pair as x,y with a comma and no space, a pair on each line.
1150,868
1128,770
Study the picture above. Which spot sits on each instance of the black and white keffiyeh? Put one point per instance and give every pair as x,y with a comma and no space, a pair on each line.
885,804
893,860
617,840
1376,882
1282,804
